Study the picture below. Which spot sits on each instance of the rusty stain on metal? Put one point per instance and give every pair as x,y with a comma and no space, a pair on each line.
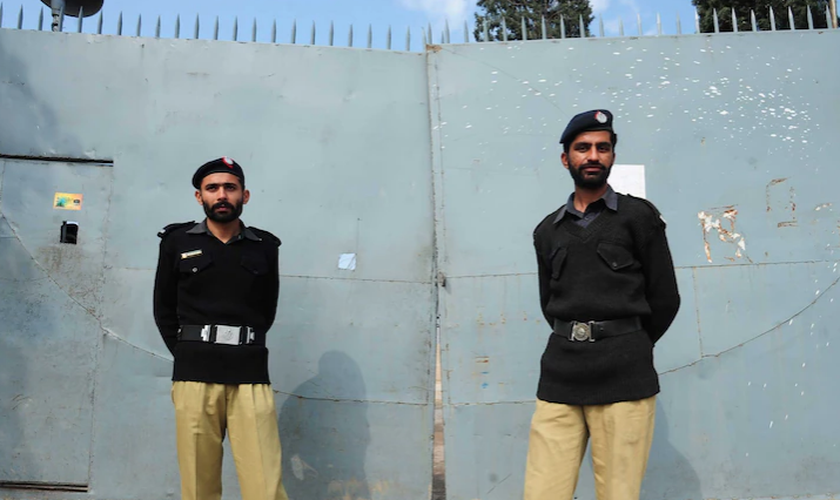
712,220
482,359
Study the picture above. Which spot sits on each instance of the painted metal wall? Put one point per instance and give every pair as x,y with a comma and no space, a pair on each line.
334,143
736,134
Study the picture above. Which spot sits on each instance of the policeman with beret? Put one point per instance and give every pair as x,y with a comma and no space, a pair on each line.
215,297
608,289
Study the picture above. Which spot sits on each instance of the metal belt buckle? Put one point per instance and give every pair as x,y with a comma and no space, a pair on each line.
227,335
581,332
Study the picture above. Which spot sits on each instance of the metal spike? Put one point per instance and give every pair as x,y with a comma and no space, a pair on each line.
582,28
178,26
772,20
504,30
753,20
99,24
370,36
157,28
485,30
350,37
388,39
679,24
544,29
696,21
20,18
620,27
332,33
408,39
1,14
216,29
61,19
715,19
734,21
658,24
639,23
446,30
562,27
466,33
197,31
790,19
139,24
524,29
312,34
119,24
254,30
601,26
294,31
274,31
41,21
810,18
429,27
235,29
80,23
828,21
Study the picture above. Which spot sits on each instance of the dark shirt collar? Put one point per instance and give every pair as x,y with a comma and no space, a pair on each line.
610,200
201,228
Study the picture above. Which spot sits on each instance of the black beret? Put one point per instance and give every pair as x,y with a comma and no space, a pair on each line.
223,164
596,119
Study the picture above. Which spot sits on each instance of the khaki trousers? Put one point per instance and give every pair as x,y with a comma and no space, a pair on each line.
621,437
202,414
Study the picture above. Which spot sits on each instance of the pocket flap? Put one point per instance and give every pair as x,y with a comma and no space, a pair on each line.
256,263
556,258
615,256
195,265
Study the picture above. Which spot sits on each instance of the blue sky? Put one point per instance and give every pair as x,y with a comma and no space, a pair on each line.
399,14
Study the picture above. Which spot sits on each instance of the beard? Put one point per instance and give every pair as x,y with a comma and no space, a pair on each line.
589,181
234,211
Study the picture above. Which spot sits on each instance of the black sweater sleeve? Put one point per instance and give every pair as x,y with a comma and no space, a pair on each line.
166,297
660,283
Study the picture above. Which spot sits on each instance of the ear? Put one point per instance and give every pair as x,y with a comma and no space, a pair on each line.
565,159
246,195
198,197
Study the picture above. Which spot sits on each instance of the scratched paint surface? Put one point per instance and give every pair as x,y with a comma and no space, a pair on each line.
735,133
336,161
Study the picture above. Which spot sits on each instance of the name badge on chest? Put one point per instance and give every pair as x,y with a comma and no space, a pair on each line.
191,254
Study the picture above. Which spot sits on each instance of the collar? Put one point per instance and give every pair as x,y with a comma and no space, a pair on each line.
201,228
610,198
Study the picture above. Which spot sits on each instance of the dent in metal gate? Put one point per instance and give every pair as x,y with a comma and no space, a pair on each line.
336,164
735,134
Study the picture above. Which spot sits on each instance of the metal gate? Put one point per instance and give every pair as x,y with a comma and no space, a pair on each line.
731,136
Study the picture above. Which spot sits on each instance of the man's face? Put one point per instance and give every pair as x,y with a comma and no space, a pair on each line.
590,158
222,197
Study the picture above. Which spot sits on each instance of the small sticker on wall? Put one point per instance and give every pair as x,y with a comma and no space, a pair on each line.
628,179
67,201
347,261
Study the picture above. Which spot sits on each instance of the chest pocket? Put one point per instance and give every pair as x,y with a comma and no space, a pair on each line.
256,263
557,258
616,256
195,265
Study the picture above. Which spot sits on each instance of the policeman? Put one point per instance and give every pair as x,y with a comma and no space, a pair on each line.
215,297
608,288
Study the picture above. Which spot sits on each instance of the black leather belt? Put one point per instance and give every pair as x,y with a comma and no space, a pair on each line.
590,331
217,334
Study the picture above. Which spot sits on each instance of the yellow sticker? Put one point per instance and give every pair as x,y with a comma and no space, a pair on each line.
67,201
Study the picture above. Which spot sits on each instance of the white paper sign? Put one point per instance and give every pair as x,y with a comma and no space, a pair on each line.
347,261
628,179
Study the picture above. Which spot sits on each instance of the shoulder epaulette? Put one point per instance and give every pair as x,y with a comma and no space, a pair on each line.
266,235
650,205
171,227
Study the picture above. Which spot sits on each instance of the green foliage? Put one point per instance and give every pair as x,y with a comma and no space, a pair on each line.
533,12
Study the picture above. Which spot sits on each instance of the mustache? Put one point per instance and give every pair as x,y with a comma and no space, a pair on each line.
593,165
222,204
